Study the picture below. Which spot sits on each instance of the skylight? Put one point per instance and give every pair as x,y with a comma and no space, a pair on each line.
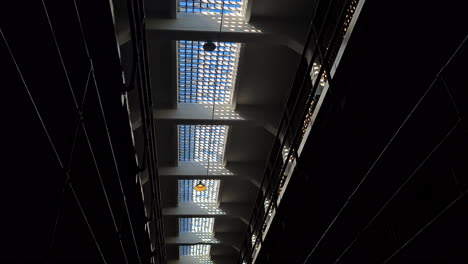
207,77
195,250
202,142
212,7
188,194
196,224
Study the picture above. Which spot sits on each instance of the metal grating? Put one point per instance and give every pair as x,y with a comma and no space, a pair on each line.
202,142
212,7
196,224
195,250
207,77
187,194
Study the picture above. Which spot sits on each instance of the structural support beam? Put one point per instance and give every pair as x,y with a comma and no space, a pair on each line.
222,115
203,259
199,114
236,171
191,170
234,29
237,210
187,238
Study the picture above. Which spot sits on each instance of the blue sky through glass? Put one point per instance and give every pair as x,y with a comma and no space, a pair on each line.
206,77
212,7
195,250
202,142
196,224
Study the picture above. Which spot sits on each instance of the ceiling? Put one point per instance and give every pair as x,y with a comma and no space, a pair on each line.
52,219
264,76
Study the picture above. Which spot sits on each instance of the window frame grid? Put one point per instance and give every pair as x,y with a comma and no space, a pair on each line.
195,250
202,143
196,225
213,7
206,77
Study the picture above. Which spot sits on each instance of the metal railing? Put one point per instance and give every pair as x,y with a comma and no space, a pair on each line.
140,79
332,19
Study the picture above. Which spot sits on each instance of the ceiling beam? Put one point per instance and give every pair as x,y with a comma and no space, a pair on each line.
236,171
238,210
190,170
222,114
199,259
233,239
199,114
234,29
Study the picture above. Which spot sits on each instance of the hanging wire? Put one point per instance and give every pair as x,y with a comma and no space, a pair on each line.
401,187
84,127
54,149
450,95
434,219
210,143
351,196
108,137
70,159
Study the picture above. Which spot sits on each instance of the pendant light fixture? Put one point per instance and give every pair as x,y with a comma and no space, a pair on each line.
209,46
200,187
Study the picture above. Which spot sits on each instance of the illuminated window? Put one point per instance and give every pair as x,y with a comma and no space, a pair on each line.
196,224
212,7
202,142
207,77
195,250
187,194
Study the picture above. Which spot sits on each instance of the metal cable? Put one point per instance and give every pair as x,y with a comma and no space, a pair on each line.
108,134
381,153
83,126
462,195
70,158
414,172
52,145
382,208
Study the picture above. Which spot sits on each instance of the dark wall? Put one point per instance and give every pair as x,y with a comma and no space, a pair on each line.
395,64
69,147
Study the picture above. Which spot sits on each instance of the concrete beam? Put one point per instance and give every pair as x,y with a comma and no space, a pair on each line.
241,211
190,170
187,238
252,172
222,114
203,259
234,29
200,114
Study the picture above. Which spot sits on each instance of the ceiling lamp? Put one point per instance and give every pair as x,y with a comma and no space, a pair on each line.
200,187
209,46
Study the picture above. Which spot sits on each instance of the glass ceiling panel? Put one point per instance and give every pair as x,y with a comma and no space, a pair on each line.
195,250
212,7
196,224
202,142
187,194
207,77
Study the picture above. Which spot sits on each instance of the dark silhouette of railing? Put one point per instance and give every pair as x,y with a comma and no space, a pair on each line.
327,29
